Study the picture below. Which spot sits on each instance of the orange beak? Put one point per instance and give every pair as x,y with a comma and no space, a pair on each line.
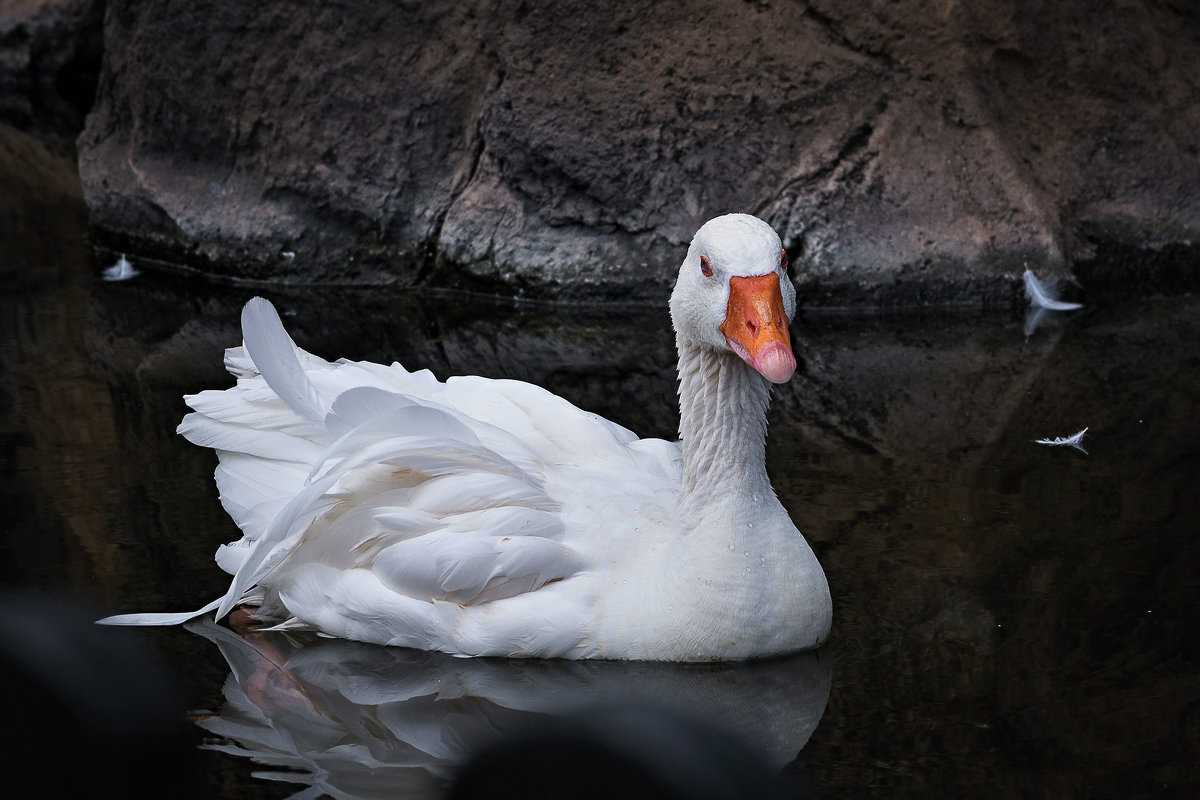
756,327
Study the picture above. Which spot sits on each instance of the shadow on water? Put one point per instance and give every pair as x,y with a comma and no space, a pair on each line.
1010,619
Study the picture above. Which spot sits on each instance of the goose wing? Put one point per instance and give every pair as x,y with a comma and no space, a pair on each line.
384,505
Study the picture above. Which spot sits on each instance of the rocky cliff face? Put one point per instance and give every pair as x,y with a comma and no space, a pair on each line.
906,153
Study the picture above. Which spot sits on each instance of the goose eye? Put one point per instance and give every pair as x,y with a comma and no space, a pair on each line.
705,267
783,262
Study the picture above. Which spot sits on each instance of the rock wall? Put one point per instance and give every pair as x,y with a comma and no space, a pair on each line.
907,153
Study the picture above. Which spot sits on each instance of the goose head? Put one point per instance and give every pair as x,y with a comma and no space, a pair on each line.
733,294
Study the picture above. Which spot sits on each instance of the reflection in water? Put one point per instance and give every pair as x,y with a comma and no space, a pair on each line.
359,721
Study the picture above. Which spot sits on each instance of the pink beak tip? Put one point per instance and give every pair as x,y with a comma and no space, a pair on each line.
775,362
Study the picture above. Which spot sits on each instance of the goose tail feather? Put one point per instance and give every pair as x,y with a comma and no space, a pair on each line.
158,618
274,355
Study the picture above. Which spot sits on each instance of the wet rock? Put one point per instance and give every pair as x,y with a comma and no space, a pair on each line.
906,157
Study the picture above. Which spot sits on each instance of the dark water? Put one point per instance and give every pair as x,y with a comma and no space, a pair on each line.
1011,619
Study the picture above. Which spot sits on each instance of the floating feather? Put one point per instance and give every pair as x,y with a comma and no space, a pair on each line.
1074,440
120,271
1040,297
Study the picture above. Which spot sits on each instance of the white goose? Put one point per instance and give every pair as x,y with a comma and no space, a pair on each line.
492,518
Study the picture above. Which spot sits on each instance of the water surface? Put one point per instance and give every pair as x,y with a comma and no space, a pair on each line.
1010,619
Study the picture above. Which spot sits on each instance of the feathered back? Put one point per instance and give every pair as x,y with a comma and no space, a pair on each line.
368,487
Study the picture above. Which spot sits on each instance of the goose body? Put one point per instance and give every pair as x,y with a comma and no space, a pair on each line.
492,518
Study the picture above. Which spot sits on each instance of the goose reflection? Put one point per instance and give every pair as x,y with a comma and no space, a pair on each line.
354,720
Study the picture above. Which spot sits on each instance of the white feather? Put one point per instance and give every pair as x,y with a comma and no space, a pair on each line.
1074,440
274,355
122,270
1040,297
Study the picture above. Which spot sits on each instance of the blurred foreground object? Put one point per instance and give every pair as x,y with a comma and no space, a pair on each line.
624,751
87,709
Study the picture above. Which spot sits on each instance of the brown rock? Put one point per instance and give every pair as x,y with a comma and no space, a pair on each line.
906,155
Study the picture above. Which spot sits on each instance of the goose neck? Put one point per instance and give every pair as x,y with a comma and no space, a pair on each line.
723,427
